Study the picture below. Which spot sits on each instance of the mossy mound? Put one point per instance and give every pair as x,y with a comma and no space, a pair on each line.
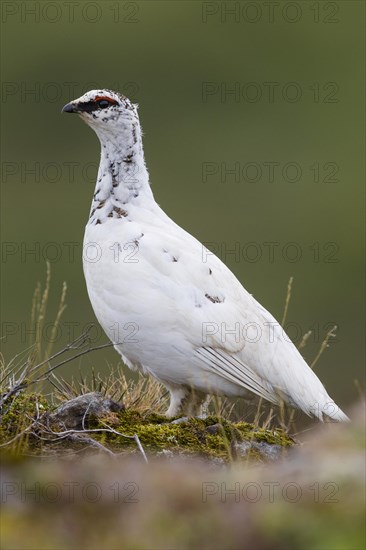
16,416
212,438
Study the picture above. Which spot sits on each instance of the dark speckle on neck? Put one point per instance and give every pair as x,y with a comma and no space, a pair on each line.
122,176
128,159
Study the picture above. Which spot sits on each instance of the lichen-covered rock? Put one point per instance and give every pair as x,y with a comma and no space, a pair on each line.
76,413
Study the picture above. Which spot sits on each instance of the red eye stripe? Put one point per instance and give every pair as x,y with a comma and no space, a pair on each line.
105,98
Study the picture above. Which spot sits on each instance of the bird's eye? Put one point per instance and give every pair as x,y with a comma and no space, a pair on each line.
103,103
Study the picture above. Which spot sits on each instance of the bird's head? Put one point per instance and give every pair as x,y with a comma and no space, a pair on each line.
105,111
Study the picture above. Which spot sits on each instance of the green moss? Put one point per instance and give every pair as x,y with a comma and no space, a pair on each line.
272,437
17,414
212,437
191,437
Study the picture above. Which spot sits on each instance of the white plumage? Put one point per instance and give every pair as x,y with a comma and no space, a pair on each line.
171,310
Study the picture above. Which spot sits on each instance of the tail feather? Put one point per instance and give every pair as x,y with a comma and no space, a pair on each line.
325,408
332,411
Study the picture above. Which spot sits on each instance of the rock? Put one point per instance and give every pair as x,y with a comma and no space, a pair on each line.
266,451
82,408
215,429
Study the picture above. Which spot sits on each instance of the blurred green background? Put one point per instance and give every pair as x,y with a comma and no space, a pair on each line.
166,56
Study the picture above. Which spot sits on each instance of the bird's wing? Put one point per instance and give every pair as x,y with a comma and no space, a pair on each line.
184,299
233,370
233,335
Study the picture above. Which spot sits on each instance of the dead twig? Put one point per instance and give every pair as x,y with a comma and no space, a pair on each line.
18,436
92,442
330,334
80,436
288,297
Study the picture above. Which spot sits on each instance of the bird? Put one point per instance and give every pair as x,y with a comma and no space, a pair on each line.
170,310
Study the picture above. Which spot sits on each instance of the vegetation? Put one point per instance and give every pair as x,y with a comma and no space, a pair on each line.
117,473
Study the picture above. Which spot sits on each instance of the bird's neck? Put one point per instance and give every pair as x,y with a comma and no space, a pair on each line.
122,176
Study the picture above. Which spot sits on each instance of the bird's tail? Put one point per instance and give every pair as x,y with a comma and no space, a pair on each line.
330,410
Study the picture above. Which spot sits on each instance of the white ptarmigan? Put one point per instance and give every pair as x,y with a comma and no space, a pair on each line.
170,310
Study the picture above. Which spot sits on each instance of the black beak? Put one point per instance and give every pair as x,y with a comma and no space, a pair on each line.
70,108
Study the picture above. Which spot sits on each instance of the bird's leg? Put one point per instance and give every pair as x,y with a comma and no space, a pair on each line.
185,401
